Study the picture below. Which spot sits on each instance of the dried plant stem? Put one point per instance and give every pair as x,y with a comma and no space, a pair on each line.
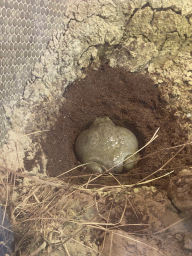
161,168
45,205
44,244
131,185
137,241
163,230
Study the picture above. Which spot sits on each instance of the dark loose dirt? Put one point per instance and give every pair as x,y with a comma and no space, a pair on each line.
130,100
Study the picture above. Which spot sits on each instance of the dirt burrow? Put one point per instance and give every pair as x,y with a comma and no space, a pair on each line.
130,100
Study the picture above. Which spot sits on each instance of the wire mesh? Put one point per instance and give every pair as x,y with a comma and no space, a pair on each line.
25,28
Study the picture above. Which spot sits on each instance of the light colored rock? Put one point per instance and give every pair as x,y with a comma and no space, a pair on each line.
179,237
133,54
13,153
151,68
120,243
184,5
168,64
166,29
85,59
188,241
180,190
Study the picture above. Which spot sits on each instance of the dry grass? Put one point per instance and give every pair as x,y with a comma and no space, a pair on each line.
48,213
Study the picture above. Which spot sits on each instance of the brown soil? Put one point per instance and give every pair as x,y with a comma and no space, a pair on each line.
130,100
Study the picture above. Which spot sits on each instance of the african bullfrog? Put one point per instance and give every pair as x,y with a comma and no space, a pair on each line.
106,146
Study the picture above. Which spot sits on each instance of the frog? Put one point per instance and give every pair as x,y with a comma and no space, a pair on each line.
106,147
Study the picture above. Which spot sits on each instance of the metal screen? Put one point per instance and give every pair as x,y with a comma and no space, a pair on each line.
25,28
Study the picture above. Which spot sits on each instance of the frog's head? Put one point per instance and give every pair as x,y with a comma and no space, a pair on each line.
104,121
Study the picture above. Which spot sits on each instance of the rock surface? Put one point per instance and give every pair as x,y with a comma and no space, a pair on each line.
180,189
188,241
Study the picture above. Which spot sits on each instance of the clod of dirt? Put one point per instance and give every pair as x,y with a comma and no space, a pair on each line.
180,190
121,243
131,101
188,241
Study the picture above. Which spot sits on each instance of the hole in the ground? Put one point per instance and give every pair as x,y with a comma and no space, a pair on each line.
128,99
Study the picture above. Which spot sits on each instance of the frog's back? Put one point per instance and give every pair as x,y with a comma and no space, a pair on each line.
105,144
127,140
95,142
